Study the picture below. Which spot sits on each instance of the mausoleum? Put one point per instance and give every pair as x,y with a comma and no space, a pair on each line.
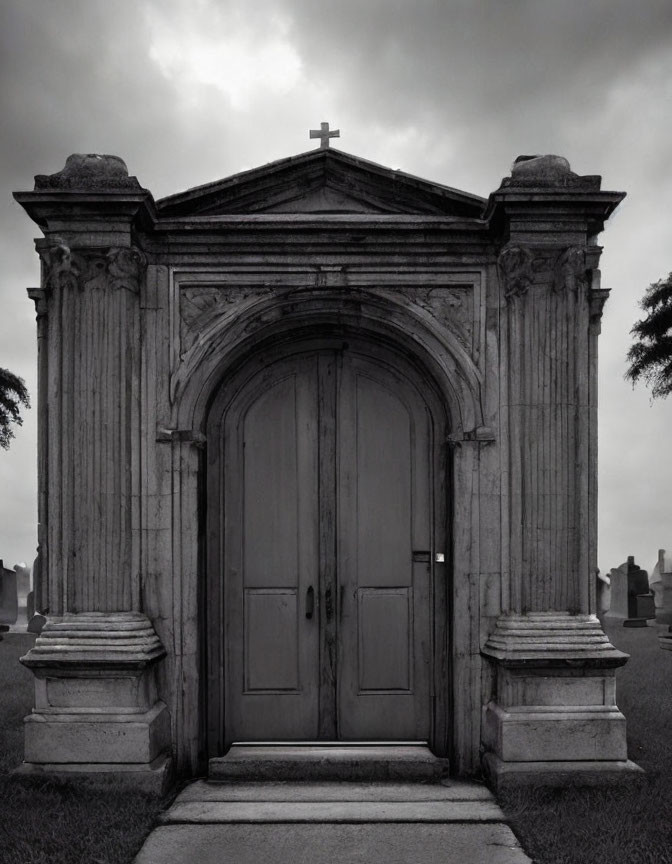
317,462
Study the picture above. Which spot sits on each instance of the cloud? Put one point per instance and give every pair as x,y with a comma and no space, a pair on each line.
451,90
240,60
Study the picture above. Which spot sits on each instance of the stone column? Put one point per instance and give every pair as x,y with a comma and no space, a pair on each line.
89,472
553,712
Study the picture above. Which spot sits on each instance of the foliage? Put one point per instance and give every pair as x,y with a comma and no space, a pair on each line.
650,356
13,393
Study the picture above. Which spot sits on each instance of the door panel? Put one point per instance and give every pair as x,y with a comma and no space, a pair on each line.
327,485
385,649
271,556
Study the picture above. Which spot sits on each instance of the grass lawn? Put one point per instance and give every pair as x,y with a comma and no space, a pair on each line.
43,822
629,824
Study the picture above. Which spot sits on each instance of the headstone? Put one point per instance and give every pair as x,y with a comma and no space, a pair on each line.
661,585
23,589
631,598
603,586
9,598
36,623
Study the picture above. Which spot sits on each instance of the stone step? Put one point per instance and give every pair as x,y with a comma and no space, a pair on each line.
329,761
447,790
331,812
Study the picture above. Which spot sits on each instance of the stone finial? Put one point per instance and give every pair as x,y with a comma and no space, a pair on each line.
89,171
547,170
547,167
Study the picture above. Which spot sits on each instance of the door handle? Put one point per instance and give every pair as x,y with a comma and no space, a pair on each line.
310,602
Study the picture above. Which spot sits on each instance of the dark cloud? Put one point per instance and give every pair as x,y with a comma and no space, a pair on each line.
451,90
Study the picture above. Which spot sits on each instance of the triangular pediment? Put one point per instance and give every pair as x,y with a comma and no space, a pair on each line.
322,181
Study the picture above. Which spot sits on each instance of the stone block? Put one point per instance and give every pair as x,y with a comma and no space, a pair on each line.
529,734
516,687
502,775
92,738
154,778
137,694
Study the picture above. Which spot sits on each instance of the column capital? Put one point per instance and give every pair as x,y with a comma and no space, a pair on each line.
122,266
521,266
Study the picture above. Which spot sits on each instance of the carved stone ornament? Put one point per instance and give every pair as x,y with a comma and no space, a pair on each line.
597,298
516,270
63,268
124,267
89,171
450,306
547,170
200,305
570,269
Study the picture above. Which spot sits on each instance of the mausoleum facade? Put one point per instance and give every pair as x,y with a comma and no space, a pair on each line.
317,462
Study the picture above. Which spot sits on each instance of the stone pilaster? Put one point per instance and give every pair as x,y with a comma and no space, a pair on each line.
96,700
548,370
89,384
553,708
93,387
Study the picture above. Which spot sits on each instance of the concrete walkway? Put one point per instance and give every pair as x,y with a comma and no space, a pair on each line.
322,823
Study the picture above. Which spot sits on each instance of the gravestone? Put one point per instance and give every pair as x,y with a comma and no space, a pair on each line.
661,585
9,598
603,592
23,589
631,598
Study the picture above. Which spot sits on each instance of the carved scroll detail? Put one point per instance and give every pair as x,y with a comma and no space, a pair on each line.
515,270
569,272
124,267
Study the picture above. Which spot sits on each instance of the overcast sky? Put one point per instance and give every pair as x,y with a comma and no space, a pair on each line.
189,91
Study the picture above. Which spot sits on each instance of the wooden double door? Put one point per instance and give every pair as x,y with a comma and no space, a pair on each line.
324,541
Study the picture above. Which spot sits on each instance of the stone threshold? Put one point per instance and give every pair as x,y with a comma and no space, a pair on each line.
329,760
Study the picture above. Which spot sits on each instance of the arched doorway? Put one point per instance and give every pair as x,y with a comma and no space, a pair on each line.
326,540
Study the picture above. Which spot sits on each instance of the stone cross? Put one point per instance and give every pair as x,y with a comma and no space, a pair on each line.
324,134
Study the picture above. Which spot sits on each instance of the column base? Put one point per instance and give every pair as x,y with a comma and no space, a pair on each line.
96,705
512,775
554,713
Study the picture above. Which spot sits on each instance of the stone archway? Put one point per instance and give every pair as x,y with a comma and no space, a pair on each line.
393,325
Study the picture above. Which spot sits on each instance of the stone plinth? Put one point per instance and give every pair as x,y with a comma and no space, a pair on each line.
555,697
96,704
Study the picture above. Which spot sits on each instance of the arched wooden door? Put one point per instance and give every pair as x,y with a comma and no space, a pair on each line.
323,529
